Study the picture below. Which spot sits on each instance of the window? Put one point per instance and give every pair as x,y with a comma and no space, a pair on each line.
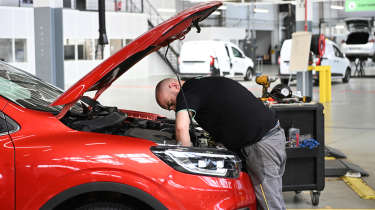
127,41
20,50
337,52
67,4
28,91
236,53
85,49
69,53
6,52
3,125
7,125
115,45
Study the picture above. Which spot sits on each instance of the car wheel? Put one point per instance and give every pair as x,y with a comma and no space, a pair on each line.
249,74
105,206
347,76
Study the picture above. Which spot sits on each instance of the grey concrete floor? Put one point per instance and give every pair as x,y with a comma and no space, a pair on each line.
349,127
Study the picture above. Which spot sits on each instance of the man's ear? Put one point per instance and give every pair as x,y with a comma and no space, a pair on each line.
174,84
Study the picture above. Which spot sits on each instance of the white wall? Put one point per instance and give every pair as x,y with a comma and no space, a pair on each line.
16,23
84,25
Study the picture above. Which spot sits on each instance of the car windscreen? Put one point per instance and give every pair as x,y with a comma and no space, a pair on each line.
27,90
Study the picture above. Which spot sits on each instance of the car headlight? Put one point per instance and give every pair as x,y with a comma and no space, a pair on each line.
210,162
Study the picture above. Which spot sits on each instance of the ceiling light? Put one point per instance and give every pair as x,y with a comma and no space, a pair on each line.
340,27
216,13
259,10
336,7
222,7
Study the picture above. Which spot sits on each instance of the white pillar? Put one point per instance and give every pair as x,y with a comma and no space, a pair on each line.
304,79
49,48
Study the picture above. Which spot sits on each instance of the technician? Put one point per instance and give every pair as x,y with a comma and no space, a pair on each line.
233,116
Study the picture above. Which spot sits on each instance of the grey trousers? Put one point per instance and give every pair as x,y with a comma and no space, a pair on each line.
265,163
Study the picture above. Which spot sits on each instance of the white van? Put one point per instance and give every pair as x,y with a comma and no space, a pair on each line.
340,65
216,58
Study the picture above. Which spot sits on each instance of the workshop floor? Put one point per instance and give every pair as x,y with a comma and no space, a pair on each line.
349,127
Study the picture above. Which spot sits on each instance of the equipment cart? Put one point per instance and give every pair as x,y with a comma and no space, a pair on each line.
304,167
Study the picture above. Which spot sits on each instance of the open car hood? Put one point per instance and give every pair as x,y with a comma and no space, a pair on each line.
101,77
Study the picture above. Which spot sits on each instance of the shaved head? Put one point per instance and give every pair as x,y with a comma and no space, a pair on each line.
166,92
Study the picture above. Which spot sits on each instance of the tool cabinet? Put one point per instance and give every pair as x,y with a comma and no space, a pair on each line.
304,167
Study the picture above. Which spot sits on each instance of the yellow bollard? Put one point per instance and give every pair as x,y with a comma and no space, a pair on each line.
324,82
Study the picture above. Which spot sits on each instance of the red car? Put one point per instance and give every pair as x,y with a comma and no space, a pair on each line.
67,151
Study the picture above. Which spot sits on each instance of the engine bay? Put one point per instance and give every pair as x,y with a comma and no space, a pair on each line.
94,117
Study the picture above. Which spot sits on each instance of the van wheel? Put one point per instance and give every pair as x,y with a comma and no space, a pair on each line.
249,74
347,76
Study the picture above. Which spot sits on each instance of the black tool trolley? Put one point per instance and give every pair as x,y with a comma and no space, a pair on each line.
304,166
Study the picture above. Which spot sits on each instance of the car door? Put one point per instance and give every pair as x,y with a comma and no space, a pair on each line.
340,62
223,57
7,172
329,58
238,61
230,60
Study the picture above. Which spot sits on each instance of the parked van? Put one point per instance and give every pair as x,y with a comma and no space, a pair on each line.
340,65
216,58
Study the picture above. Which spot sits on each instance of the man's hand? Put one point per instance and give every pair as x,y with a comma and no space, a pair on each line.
182,128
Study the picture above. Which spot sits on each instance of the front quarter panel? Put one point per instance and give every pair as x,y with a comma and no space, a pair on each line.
51,158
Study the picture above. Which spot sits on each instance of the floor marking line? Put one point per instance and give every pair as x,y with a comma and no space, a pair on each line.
359,186
329,158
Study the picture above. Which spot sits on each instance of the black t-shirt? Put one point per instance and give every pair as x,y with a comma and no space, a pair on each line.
227,110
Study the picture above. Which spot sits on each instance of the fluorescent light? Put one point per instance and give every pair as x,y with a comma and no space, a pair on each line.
222,7
339,27
259,10
336,7
215,13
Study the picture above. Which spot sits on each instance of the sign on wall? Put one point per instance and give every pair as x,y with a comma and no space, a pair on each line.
359,5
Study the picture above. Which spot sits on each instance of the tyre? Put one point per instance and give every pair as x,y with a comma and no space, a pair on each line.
249,74
106,206
347,76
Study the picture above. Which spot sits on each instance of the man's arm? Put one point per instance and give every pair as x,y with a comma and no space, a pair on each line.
182,128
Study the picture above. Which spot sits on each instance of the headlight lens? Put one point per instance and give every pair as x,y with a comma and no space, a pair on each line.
210,162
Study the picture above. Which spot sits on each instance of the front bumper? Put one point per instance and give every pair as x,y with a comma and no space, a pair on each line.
205,192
